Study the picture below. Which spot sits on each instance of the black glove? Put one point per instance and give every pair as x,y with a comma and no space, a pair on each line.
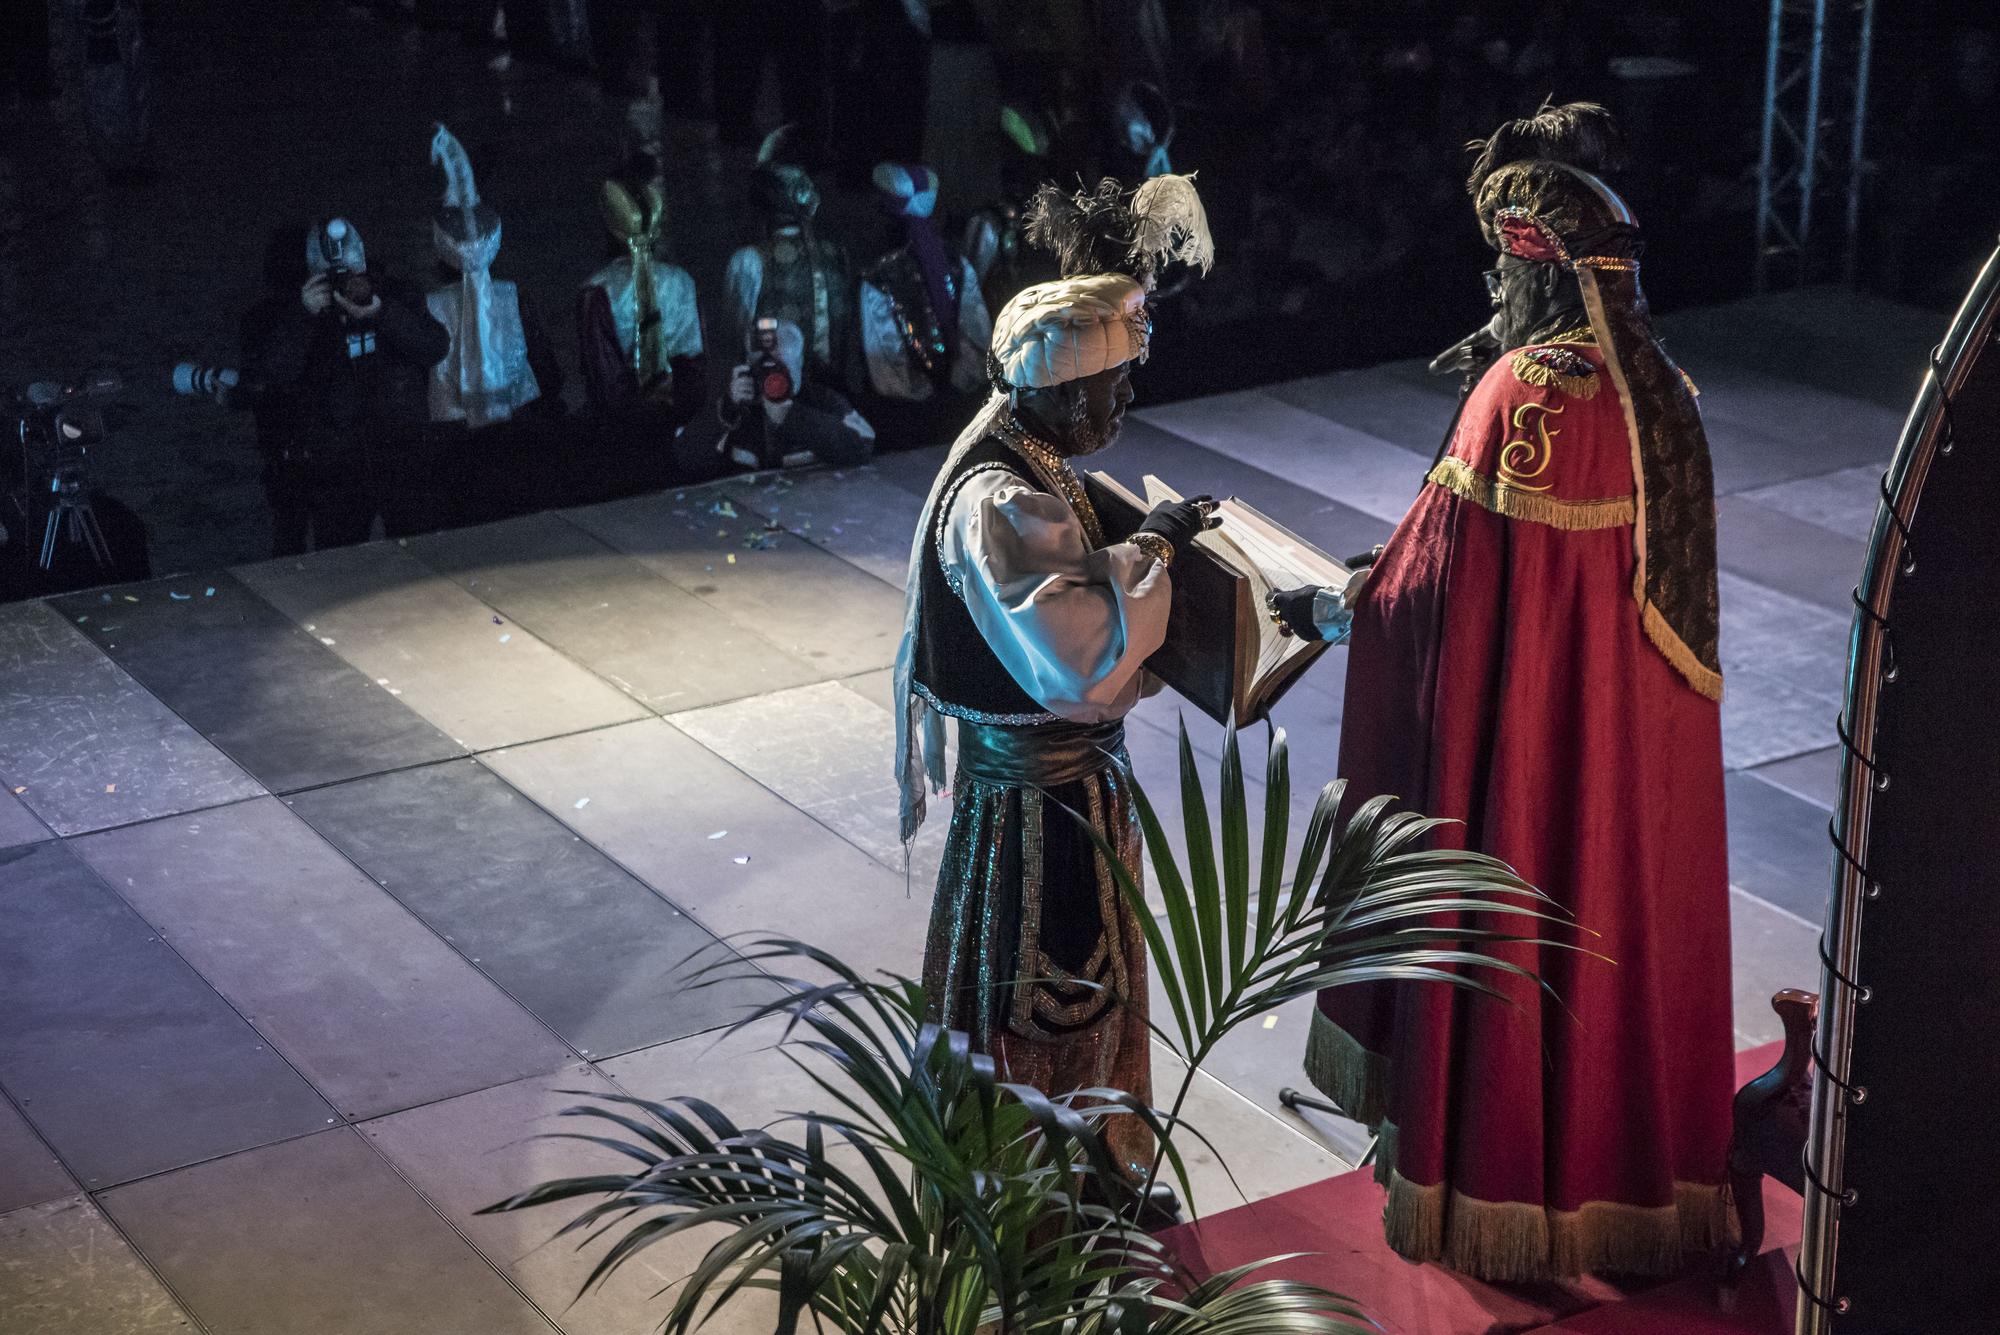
1294,610
1179,521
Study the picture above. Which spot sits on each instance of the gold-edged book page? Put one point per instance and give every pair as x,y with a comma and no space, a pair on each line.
1223,653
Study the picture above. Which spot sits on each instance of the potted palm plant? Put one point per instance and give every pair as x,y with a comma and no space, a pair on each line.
935,1199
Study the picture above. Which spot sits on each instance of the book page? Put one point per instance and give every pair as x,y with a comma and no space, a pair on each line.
1270,559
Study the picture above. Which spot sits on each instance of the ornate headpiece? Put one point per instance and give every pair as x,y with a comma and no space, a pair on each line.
1053,333
465,231
784,192
909,189
1111,230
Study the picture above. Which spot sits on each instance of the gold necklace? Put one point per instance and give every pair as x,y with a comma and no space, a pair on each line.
1055,473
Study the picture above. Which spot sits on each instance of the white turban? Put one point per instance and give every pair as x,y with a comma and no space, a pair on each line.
1053,333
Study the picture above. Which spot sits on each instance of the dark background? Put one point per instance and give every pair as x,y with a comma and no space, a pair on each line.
1328,138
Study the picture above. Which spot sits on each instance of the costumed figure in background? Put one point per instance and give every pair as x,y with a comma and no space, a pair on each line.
639,339
638,327
924,326
794,274
773,416
1141,131
1534,656
499,365
995,244
347,355
1031,631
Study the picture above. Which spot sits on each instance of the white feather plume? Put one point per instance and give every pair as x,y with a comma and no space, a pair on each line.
1171,223
447,152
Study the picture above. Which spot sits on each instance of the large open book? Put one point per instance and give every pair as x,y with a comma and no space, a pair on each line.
1223,652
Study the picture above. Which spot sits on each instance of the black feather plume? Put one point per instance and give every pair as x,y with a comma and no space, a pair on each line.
1089,232
1577,134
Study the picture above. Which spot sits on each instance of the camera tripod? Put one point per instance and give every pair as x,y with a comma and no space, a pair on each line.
70,510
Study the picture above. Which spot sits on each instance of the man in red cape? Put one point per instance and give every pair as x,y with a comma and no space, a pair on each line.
1534,656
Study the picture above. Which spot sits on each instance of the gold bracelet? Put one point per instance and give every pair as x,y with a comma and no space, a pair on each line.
1155,546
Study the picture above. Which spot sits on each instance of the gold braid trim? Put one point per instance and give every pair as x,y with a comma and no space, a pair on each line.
1699,675
1529,371
1513,1242
1461,479
1353,1078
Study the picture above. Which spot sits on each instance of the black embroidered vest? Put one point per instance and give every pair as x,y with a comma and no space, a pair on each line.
955,670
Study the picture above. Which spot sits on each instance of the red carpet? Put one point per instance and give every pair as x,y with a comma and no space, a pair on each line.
1338,1223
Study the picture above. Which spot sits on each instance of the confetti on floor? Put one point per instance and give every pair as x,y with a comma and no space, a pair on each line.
179,597
209,594
718,834
110,787
130,599
326,640
581,803
743,861
22,789
732,558
498,622
505,638
1270,1022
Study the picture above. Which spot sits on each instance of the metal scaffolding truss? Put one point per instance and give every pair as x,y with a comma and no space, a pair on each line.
1810,166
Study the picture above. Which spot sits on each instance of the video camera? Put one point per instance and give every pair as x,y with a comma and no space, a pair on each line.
56,423
223,384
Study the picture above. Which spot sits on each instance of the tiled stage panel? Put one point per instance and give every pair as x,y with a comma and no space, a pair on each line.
265,691
29,1172
849,622
1814,776
18,825
654,641
1771,949
1778,846
655,798
467,1153
123,1058
593,952
857,514
1795,557
1188,468
1379,402
362,997
1365,473
317,1236
85,744
481,679
65,1271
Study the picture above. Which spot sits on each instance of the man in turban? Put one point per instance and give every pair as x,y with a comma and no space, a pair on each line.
1031,630
1534,657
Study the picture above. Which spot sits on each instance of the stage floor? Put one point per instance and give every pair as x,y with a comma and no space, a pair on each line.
323,877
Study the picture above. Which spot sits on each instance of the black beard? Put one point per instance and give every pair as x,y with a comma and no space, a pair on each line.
1090,438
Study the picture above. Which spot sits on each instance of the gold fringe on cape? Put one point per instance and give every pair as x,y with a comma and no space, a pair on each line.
1354,1079
1698,674
1462,480
1510,1242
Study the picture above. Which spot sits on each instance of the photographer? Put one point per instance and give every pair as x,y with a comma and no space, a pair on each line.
769,417
347,359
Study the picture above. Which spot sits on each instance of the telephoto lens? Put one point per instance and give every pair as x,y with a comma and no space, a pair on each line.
198,380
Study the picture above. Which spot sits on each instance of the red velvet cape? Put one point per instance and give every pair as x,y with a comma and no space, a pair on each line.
1500,675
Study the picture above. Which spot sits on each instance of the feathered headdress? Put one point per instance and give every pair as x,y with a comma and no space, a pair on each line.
1578,134
1108,230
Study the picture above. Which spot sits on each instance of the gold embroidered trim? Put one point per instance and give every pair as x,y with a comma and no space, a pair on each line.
1698,674
1516,1242
1055,473
1461,479
1155,546
1029,949
1530,371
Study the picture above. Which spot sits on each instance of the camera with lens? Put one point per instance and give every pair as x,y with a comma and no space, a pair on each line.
768,372
224,384
354,288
